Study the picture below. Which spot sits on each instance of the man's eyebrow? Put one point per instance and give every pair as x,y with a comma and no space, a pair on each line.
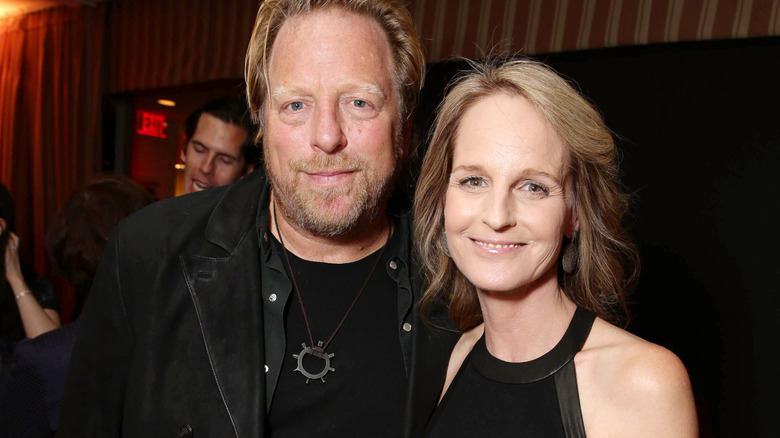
282,90
370,88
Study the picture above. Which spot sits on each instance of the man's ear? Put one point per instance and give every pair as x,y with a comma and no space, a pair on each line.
182,155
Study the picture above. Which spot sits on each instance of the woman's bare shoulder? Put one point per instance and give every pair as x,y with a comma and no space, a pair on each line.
459,352
629,384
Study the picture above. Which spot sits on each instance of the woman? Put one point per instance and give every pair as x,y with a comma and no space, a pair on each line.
31,391
28,304
520,235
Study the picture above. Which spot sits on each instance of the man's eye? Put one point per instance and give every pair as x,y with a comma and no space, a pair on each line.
360,103
296,106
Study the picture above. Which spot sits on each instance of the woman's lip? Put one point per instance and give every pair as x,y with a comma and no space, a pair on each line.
495,247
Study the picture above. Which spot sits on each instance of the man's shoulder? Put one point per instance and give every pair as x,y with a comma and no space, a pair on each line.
184,216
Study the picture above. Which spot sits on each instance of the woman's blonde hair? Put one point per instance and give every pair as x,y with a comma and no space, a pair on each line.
408,63
608,259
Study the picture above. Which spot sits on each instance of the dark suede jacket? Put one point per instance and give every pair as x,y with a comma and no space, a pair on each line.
180,337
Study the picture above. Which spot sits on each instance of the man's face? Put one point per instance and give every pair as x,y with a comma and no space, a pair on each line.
331,119
212,157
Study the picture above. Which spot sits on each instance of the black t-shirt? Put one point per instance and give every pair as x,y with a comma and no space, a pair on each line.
365,393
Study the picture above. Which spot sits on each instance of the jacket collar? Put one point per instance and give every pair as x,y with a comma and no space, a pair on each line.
229,221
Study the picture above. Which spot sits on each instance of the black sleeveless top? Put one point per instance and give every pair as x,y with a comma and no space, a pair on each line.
539,398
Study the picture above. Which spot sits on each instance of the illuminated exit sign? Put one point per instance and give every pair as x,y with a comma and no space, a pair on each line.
152,125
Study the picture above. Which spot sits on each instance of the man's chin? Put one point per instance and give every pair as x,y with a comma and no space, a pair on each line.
323,217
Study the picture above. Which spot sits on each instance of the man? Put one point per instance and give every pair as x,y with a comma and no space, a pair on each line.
278,306
220,144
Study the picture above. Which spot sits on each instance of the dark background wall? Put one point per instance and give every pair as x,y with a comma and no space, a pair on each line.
698,127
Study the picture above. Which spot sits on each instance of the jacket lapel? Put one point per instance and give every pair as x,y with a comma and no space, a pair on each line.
226,295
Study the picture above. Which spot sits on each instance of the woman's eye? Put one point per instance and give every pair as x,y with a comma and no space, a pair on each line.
535,187
296,106
472,181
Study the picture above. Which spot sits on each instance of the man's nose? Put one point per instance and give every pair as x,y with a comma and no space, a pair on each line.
328,130
207,165
499,210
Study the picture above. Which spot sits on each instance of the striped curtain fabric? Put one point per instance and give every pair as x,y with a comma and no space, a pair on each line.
471,28
162,43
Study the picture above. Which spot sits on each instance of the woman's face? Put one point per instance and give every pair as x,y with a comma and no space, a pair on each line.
506,207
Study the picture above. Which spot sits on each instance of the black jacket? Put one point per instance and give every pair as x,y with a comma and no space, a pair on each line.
174,342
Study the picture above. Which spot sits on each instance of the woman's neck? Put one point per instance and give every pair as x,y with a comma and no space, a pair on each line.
523,325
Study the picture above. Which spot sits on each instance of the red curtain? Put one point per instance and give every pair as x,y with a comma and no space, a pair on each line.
470,28
50,87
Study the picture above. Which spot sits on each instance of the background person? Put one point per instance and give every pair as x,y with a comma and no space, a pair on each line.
529,167
31,391
28,304
220,146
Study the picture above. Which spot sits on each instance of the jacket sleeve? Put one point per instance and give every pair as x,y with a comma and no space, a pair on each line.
95,386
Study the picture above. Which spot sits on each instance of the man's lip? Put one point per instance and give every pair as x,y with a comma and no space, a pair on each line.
198,185
330,173
330,177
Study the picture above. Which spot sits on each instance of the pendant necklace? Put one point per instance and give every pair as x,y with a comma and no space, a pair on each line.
319,349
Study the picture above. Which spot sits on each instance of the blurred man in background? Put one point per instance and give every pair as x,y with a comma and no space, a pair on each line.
220,145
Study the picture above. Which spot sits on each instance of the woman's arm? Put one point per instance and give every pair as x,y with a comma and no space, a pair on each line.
36,320
662,402
633,388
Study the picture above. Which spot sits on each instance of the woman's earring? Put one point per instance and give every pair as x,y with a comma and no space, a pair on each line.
570,254
444,245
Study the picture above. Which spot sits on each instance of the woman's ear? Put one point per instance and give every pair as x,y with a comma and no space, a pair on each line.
3,224
571,201
573,221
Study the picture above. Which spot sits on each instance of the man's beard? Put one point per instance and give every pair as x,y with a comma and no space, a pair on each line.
312,208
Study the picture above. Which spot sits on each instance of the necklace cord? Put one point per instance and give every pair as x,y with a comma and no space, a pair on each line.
321,350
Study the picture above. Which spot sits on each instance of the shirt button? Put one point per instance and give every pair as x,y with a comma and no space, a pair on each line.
393,265
185,431
407,327
272,298
266,368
